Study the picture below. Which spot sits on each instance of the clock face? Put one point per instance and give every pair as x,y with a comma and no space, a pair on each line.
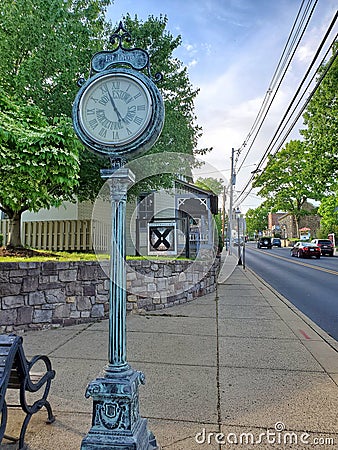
115,109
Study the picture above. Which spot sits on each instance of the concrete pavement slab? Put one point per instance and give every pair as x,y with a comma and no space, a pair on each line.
181,435
244,300
46,341
238,291
266,353
285,313
69,386
199,326
240,284
236,280
143,346
260,397
172,348
245,312
157,323
67,431
262,328
302,330
179,393
87,345
189,310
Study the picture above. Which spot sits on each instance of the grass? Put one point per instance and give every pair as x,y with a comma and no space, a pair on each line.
55,256
73,256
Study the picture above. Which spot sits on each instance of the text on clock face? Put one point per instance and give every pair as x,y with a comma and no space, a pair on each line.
116,110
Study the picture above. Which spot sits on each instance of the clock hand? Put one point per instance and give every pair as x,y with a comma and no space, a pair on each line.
120,118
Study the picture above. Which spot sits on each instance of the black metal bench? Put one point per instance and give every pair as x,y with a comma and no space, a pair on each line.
16,373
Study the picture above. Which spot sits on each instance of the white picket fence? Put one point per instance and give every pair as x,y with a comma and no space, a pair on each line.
57,235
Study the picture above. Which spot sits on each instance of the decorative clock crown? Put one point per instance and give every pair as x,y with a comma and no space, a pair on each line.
135,58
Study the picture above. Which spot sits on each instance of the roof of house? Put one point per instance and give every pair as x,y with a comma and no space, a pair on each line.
193,187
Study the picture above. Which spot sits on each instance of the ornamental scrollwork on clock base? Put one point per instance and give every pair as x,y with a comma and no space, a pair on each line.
116,416
112,415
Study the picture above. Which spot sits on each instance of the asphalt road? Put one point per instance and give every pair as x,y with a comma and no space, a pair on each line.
310,284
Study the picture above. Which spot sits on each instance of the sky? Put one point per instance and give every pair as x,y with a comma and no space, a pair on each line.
231,49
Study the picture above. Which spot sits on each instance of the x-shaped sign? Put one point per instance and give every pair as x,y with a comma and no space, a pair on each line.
162,238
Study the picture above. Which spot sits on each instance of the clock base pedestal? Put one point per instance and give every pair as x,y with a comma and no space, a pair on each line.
116,422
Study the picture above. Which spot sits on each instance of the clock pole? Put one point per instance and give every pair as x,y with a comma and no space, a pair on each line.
116,421
119,180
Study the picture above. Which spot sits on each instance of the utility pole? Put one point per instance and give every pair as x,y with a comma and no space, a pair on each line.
223,215
232,184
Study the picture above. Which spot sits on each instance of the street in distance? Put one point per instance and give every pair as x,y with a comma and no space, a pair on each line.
309,284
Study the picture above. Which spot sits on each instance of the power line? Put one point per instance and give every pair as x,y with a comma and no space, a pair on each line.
284,65
270,146
291,127
279,74
222,170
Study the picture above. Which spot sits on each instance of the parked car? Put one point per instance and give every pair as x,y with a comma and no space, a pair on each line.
305,250
325,245
235,242
264,242
276,242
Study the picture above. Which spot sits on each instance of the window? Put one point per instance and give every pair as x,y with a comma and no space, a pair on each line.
145,206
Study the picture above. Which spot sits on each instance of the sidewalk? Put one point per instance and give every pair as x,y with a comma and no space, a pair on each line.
237,361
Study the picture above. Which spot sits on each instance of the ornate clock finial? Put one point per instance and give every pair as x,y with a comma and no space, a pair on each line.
136,58
119,35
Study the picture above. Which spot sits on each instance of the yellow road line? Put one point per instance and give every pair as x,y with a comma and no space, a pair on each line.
332,272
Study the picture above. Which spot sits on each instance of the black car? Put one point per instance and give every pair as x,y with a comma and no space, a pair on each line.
276,242
305,250
325,245
264,242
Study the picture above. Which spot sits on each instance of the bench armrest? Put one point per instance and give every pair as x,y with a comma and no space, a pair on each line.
48,376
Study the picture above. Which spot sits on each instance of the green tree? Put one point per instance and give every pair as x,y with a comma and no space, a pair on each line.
257,219
45,46
321,132
210,184
328,210
287,181
38,160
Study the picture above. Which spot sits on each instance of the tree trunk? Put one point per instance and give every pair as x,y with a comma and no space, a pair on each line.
14,235
297,220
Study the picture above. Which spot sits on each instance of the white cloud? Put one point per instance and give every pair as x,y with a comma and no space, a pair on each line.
189,47
192,63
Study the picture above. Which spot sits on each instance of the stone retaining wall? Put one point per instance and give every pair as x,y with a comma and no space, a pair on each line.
39,295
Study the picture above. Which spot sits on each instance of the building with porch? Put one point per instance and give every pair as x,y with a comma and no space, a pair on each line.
176,221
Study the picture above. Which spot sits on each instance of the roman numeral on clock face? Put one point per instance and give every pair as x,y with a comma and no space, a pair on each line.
138,120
